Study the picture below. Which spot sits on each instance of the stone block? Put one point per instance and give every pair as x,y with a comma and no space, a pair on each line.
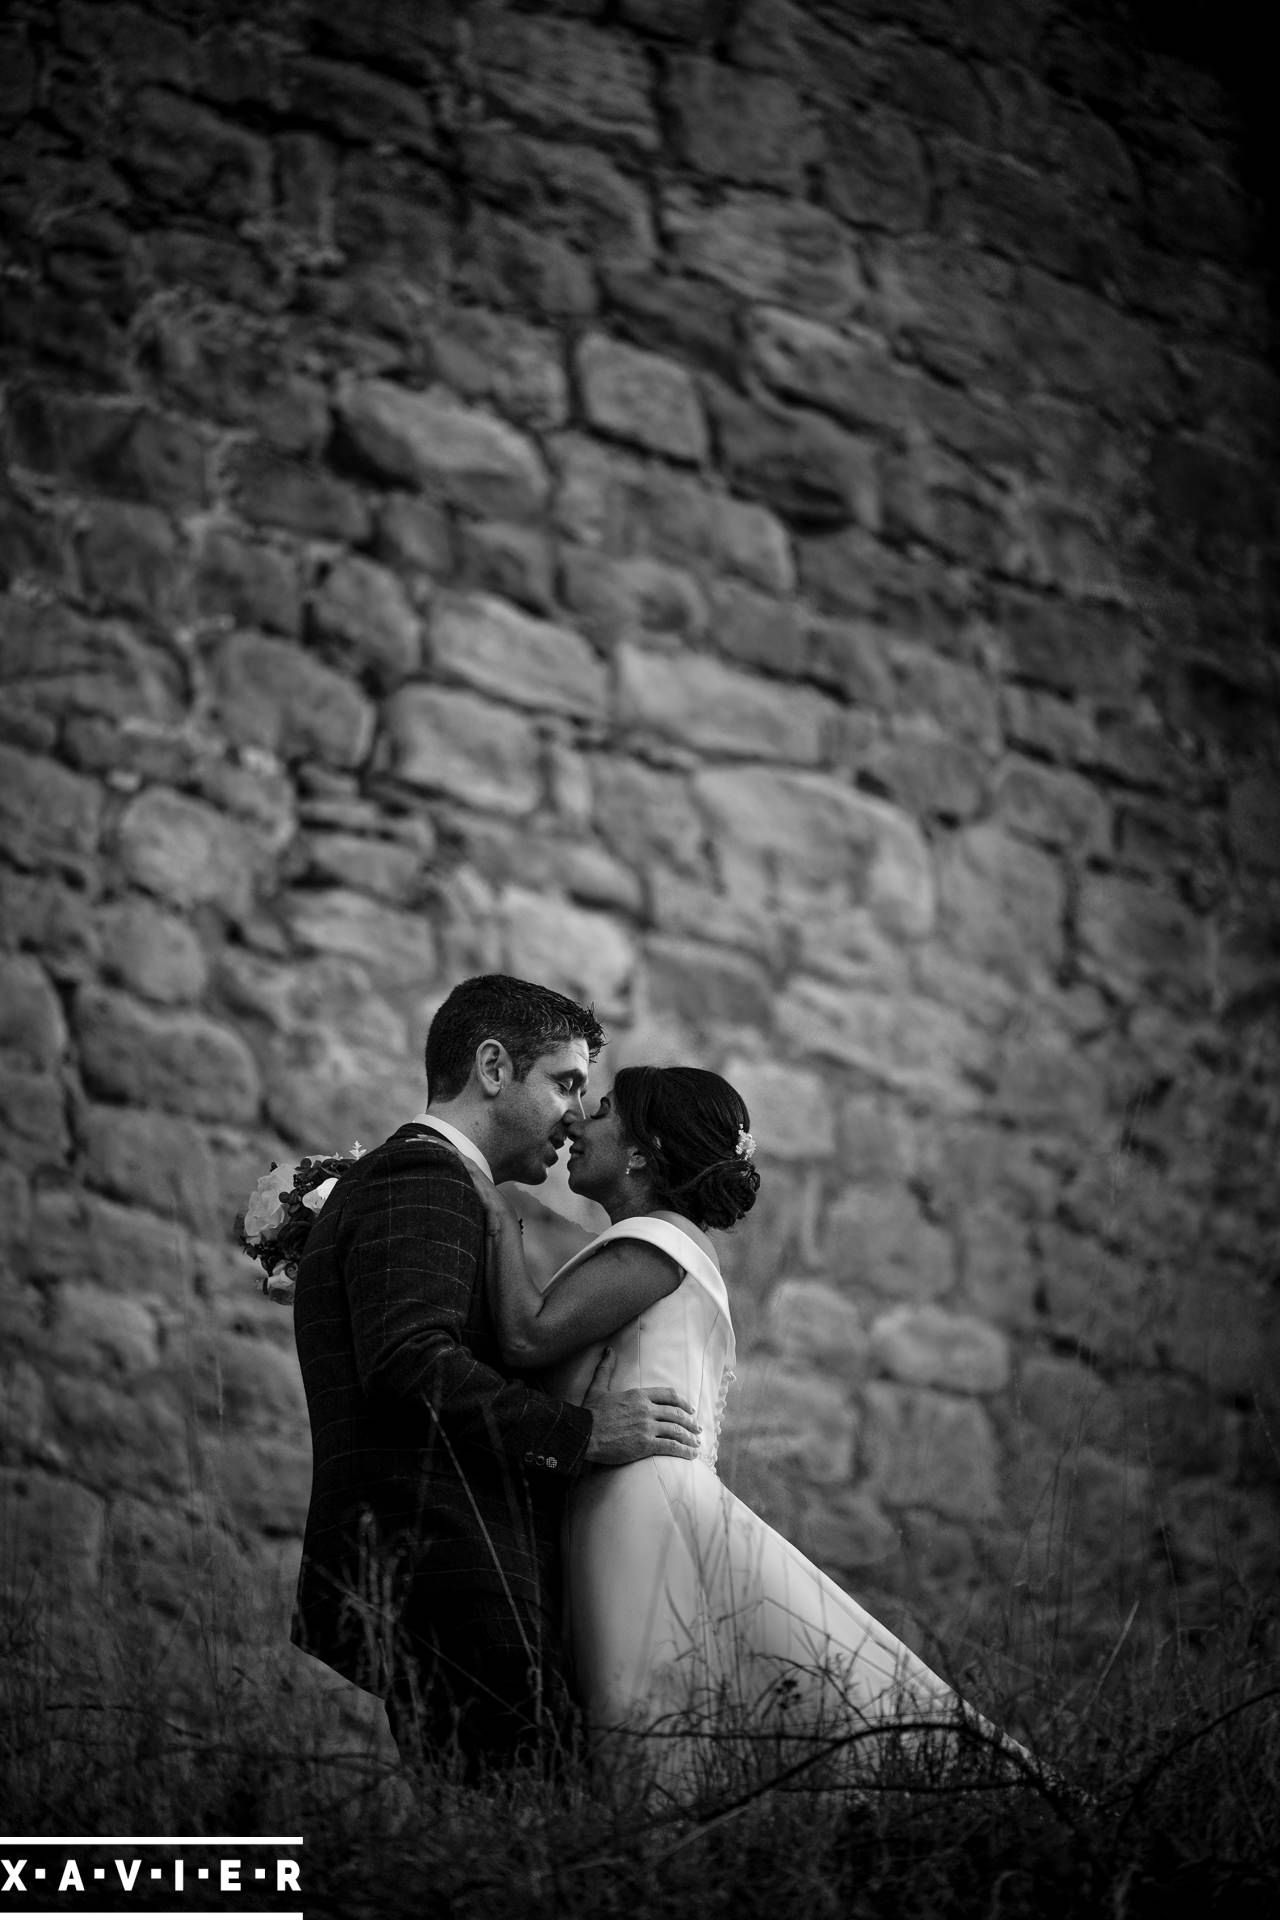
217,364
276,491
641,397
415,535
706,988
243,1384
562,75
393,227
997,1268
157,1161
585,954
784,252
23,1410
1002,903
1058,809
791,1110
468,458
99,1329
361,615
189,158
1253,821
927,1346
878,1238
809,471
494,648
129,561
875,174
636,599
648,817
119,1441
761,631
779,1415
926,773
463,746
259,1484
384,868
788,834
575,191
608,500
151,952
1227,1531
185,851
498,357
179,1062
275,695
397,948
1043,1081
846,372
952,308
1104,1302
927,1449
322,1088
516,563
750,128
876,1141
48,815
53,1530
360,107
952,694
33,1033
33,1123
697,701
848,1534
82,1238
679,314
1047,725
246,582
123,450
1071,1404
1091,651
809,1324
510,264
1076,344
1137,940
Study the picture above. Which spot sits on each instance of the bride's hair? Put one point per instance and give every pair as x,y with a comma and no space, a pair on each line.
694,1131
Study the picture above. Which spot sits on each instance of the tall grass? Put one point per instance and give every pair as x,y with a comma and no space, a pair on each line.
1165,1785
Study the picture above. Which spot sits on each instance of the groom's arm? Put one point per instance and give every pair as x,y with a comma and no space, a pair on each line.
412,1239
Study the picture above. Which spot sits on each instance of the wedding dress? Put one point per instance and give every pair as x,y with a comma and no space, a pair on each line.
682,1602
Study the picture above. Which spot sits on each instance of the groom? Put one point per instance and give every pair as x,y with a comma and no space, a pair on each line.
430,1565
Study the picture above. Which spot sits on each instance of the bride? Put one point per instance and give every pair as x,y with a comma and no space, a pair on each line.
682,1604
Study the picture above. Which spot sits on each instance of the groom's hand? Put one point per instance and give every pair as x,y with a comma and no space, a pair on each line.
642,1421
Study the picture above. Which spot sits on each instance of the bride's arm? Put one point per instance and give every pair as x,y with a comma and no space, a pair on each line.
609,1288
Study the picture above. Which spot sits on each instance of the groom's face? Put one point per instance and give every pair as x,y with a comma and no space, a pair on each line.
532,1115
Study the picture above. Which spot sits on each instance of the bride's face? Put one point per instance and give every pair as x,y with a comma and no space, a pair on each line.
599,1151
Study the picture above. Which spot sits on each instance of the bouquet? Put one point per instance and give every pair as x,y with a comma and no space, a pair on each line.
281,1212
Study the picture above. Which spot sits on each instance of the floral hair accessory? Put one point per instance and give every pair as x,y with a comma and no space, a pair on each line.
281,1212
745,1145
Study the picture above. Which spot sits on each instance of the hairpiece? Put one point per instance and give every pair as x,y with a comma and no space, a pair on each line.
745,1145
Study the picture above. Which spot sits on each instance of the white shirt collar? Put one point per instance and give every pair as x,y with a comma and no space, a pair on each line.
456,1138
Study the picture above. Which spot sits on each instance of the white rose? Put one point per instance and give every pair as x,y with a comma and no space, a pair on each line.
265,1211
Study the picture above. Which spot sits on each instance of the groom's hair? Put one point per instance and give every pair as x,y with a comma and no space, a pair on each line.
529,1021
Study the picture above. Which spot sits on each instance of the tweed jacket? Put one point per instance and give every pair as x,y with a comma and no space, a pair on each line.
432,1469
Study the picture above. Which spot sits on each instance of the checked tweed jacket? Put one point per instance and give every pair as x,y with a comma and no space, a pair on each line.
433,1471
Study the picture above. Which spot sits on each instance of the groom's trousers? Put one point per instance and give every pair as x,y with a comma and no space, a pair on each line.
477,1679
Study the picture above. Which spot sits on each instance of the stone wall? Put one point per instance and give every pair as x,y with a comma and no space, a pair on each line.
757,512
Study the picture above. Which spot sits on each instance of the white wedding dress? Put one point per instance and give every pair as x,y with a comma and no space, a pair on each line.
681,1602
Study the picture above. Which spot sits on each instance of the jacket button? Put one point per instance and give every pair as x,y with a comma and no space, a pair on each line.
551,1460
